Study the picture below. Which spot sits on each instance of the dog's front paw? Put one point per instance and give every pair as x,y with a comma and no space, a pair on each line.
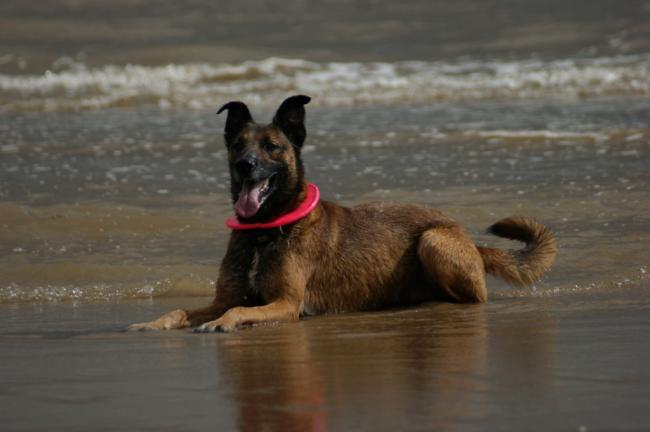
143,326
173,320
218,325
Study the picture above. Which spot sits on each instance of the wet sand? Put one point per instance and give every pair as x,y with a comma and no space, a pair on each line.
113,193
574,364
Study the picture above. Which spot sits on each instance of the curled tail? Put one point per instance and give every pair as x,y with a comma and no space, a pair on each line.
524,266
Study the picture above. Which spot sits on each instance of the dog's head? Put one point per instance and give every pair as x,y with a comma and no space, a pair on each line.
266,172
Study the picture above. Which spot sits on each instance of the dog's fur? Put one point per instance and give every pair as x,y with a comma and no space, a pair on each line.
340,259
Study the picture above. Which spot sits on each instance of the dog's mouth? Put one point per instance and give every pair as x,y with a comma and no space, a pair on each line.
252,195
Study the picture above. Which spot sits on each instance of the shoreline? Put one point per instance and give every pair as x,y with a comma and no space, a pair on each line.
583,359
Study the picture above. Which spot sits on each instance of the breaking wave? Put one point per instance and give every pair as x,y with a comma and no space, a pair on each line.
77,87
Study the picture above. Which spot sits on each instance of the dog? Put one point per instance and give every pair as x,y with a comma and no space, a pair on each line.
291,254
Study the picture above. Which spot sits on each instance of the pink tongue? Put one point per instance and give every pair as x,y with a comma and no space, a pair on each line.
248,202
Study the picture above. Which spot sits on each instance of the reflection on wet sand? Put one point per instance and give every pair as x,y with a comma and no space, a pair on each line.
432,367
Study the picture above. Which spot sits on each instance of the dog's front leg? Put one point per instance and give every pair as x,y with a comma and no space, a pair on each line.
228,295
277,311
175,319
180,318
288,290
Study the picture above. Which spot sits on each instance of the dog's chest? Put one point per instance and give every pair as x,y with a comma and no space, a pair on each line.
262,269
253,272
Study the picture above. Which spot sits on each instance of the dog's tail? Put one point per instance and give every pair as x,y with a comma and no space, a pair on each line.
524,266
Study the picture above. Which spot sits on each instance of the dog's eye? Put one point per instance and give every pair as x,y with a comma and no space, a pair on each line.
270,146
237,145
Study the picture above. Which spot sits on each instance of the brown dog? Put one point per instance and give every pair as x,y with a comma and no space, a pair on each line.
336,259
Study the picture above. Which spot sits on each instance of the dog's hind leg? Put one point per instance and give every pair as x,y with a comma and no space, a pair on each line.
454,264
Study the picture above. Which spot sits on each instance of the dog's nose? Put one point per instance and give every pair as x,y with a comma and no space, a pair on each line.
246,165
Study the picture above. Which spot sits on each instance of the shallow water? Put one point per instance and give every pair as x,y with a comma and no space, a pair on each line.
130,203
113,196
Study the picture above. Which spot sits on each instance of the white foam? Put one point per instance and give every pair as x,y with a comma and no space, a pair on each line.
201,86
9,148
540,134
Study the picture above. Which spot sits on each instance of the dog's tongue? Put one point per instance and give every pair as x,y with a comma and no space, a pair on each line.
248,202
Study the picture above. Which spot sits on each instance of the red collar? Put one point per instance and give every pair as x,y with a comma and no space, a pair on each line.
309,204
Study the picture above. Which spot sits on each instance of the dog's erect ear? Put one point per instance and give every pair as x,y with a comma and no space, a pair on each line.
238,117
290,118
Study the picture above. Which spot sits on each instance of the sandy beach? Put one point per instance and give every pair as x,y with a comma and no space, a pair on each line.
113,196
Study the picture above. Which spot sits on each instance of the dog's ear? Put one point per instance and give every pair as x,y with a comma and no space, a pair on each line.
238,117
290,118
